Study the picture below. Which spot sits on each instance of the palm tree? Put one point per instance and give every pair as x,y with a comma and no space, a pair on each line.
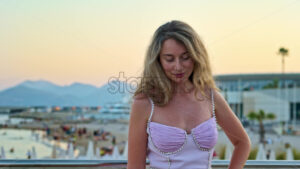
272,85
260,116
284,53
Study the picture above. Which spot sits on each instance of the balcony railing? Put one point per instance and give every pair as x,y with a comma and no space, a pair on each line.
121,164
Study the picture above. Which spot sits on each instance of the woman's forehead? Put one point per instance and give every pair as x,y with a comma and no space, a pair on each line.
173,47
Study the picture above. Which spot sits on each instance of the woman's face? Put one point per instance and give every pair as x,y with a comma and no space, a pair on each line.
176,61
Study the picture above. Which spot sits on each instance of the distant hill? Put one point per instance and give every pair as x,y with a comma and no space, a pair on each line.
45,93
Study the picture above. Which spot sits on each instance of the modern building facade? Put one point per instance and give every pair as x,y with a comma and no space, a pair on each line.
275,93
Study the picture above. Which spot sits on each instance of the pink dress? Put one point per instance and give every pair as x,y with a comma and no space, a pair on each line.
172,148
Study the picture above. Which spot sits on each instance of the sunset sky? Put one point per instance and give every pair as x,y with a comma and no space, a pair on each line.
88,41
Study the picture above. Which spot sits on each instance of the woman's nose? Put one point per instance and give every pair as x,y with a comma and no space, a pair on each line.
178,64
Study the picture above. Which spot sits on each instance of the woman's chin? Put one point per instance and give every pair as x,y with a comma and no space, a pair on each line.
179,80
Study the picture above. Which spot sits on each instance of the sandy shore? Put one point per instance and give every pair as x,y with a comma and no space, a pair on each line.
119,130
114,129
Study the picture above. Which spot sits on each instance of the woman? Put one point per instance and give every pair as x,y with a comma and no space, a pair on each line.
177,105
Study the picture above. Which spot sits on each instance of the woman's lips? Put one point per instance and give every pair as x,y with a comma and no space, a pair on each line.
179,75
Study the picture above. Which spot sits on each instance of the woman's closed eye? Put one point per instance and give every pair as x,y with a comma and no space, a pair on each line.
169,59
185,57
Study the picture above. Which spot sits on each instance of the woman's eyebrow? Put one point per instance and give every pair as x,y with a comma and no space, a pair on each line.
184,53
167,54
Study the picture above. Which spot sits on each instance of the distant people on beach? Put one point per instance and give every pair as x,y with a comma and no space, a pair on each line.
79,135
113,141
28,155
12,150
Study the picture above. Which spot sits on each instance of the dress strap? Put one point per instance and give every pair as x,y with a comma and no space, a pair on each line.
213,103
152,110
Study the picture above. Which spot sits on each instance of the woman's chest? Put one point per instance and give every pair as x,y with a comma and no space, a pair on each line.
183,115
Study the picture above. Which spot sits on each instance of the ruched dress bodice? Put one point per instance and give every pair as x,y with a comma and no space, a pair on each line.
173,148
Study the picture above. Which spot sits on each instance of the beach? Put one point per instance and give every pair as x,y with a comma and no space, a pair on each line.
102,135
105,136
17,143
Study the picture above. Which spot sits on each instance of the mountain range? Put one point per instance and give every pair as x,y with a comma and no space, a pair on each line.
45,93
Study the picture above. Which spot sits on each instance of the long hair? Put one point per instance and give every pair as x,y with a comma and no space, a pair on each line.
154,83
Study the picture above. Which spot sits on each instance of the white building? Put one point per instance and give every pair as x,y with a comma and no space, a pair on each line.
273,93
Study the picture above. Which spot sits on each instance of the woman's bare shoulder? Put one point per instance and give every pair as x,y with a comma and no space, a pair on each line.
218,97
141,106
141,99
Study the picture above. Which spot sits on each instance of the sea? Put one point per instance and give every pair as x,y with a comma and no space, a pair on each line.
21,142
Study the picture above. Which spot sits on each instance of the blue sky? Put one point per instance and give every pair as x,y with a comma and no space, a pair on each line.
90,41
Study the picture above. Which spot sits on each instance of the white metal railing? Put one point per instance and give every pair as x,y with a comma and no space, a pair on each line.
121,164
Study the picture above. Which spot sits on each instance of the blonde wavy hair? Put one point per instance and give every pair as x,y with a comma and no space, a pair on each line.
154,83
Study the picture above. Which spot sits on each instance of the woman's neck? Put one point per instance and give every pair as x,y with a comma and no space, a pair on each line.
183,88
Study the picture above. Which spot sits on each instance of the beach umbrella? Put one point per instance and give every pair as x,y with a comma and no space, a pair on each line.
33,154
228,152
54,156
98,153
116,153
272,155
2,155
261,154
90,151
32,133
37,137
70,151
62,154
106,157
289,154
125,152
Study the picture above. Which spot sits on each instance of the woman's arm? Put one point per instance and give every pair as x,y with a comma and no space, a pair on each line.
137,136
234,131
